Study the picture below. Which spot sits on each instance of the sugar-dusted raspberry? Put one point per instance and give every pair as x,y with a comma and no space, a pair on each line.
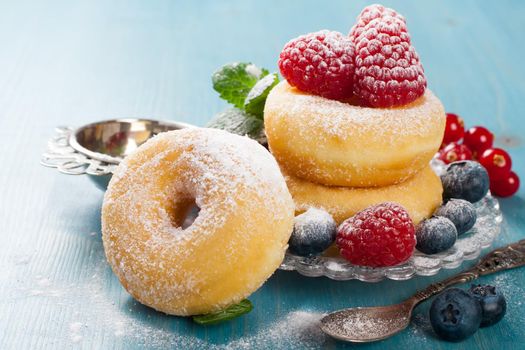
320,63
380,235
370,13
388,72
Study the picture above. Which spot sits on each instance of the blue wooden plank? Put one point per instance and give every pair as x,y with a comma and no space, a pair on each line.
70,63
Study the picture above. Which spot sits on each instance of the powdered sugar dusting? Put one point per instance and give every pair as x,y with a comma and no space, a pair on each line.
75,329
260,87
225,175
333,118
297,330
336,143
314,215
253,70
365,325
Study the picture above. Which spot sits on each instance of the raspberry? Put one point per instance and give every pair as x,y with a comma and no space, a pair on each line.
370,13
388,72
320,63
380,235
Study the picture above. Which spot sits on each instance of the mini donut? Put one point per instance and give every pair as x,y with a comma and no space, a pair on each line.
340,144
420,196
236,242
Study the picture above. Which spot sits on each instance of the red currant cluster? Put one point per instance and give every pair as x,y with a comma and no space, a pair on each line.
477,145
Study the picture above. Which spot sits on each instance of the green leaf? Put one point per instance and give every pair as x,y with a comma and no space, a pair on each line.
229,313
238,122
256,99
235,80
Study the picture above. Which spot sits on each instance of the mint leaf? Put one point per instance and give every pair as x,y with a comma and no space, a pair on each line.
235,80
254,102
229,313
238,122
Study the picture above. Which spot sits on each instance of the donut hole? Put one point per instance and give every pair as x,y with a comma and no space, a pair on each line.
191,215
184,213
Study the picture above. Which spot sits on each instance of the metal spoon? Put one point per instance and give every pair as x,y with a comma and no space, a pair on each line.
367,324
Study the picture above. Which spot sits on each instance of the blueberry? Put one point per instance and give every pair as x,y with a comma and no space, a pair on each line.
492,301
461,212
313,232
455,314
435,235
465,180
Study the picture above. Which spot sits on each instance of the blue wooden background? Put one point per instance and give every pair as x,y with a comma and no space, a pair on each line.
73,62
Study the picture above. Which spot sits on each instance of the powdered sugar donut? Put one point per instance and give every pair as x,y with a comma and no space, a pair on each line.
420,196
340,144
237,240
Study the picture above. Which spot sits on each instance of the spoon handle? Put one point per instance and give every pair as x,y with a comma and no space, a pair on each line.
504,258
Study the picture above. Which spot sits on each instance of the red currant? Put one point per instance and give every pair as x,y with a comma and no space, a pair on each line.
454,152
478,139
454,129
505,187
497,162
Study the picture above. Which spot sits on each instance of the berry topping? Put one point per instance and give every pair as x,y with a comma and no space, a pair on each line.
387,68
461,212
507,186
380,235
370,13
435,235
497,162
320,63
313,232
478,139
454,152
455,314
465,180
492,301
454,129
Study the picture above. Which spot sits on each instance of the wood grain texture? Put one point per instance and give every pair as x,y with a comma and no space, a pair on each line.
69,63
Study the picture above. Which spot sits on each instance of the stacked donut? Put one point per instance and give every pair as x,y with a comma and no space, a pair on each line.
344,158
353,124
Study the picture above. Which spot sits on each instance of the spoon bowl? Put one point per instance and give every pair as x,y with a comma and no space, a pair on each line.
367,324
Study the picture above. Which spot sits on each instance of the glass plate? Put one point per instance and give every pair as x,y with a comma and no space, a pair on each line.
467,247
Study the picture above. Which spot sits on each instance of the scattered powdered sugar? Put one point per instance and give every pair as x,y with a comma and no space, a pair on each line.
425,262
75,331
253,70
420,327
44,287
95,313
297,330
43,282
468,245
21,259
337,266
225,175
510,284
